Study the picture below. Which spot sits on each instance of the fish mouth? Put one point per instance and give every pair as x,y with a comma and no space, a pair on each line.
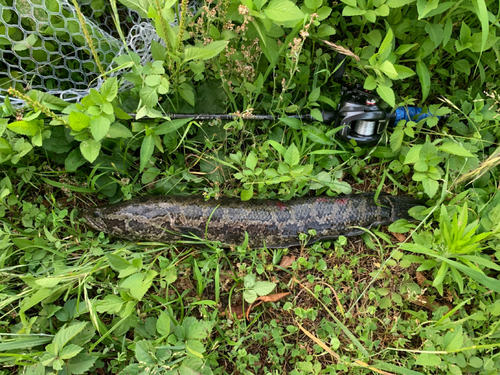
93,216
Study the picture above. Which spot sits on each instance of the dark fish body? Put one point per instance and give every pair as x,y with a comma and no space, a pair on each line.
271,222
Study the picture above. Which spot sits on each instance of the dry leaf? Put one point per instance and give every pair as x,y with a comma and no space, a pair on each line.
287,261
235,309
399,236
420,278
273,297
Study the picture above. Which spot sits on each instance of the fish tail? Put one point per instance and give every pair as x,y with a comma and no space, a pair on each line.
401,205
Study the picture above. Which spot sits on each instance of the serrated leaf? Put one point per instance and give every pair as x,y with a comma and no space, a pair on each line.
78,121
370,83
387,94
24,127
70,351
90,149
388,69
67,333
403,72
430,186
80,364
263,288
110,304
250,295
249,281
142,350
397,136
109,89
99,126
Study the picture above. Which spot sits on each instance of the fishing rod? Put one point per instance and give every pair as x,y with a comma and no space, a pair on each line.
359,114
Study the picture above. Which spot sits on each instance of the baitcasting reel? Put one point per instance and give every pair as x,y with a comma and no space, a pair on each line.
358,113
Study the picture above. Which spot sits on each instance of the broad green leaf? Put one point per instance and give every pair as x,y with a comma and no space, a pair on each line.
25,127
251,161
142,350
80,364
195,347
403,72
425,79
109,89
316,114
292,122
387,94
351,3
117,262
313,4
111,304
425,6
398,3
147,149
386,47
163,324
249,281
90,149
292,155
282,11
250,295
204,53
263,288
149,96
388,69
78,121
117,130
430,186
435,31
314,95
99,126
141,6
374,37
455,149
370,83
70,351
351,11
67,333
247,194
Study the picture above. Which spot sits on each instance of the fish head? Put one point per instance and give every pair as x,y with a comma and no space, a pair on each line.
94,218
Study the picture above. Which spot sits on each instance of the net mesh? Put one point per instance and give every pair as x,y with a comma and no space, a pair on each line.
42,44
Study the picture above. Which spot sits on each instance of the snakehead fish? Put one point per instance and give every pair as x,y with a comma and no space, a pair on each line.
271,222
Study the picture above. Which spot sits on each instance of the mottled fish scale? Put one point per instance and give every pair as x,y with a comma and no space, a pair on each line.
275,223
